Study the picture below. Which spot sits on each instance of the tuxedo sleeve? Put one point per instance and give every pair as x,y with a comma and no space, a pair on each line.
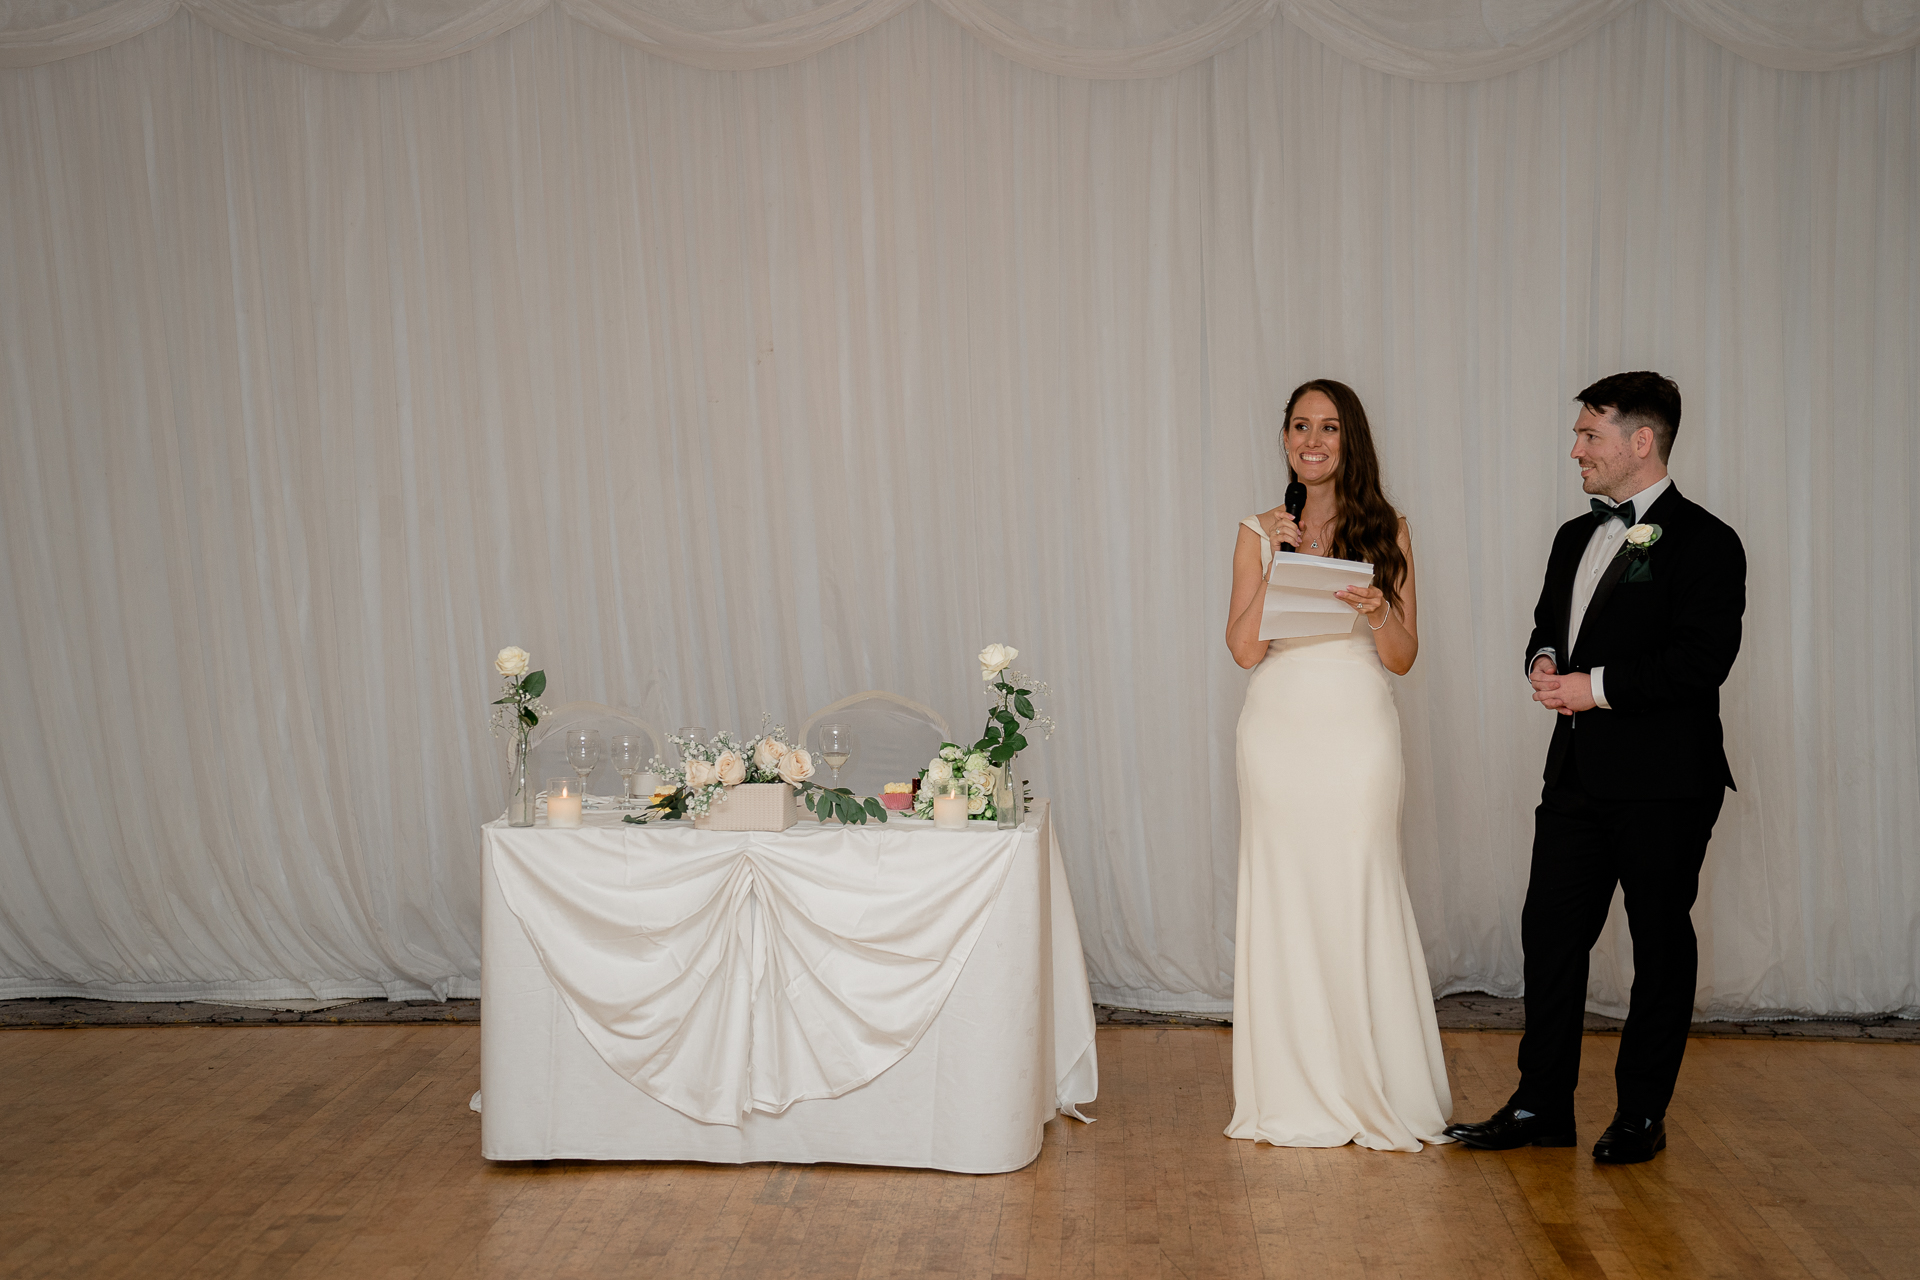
1550,610
1699,648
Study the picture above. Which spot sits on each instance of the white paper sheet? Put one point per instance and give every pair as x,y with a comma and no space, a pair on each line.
1300,599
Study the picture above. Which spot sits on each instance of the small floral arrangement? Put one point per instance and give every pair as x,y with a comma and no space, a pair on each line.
969,766
1640,540
520,709
982,765
708,769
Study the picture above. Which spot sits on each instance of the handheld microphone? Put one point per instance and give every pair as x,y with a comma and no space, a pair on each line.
1296,503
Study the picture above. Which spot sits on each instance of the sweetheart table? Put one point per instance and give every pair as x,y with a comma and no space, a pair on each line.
888,994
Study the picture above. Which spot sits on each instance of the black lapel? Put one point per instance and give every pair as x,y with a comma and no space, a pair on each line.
1617,568
1563,587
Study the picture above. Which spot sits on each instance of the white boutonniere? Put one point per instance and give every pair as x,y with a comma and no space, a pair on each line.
1640,540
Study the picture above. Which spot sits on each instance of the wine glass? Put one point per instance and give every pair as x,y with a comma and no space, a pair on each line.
691,733
836,743
628,753
583,753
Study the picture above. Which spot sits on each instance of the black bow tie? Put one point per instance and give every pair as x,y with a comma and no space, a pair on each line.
1623,513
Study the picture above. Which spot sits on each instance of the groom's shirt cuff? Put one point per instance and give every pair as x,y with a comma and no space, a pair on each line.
1545,649
1598,676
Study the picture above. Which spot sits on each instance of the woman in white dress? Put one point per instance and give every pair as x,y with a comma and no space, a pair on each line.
1334,1039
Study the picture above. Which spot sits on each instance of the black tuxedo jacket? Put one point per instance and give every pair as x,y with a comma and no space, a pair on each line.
1667,644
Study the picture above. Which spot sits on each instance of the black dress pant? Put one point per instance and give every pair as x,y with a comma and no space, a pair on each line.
1583,844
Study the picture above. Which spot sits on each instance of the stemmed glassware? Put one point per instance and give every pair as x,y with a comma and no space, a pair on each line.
691,733
629,754
836,744
583,753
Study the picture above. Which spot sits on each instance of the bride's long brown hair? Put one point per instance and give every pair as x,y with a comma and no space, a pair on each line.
1365,525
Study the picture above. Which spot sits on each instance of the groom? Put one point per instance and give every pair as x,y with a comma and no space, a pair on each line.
1636,629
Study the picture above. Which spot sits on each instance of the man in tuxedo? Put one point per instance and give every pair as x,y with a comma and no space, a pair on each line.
1637,627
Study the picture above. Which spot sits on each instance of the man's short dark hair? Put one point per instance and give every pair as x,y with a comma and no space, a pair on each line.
1642,399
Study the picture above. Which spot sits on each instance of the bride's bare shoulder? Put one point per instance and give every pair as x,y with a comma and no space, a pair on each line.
1267,519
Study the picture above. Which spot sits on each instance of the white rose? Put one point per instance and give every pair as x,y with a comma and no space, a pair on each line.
511,662
977,762
701,773
976,803
939,771
796,766
766,756
730,768
1641,535
996,658
949,753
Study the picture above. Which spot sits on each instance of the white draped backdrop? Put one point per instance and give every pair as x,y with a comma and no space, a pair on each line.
735,358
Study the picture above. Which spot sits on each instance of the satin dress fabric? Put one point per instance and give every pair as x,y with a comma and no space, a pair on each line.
1334,1037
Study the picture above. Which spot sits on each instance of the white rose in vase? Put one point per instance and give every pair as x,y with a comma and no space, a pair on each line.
996,658
701,773
729,768
766,756
511,662
796,766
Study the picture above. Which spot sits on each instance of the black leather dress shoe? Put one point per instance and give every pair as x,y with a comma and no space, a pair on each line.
1503,1131
1630,1141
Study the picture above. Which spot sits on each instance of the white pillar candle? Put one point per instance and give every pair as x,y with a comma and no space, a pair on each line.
563,811
950,812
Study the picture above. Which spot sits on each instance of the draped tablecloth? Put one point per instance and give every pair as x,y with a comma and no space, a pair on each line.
886,994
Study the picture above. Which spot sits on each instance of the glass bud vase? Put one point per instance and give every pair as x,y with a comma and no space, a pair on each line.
1006,798
521,793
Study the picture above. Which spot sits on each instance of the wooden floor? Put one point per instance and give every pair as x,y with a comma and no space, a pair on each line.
349,1151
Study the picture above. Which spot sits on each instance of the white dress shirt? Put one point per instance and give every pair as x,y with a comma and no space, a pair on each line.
1602,547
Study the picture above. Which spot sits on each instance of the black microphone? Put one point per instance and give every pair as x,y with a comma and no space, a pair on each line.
1296,503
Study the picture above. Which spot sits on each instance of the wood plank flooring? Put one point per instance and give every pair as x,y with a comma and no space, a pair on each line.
313,1151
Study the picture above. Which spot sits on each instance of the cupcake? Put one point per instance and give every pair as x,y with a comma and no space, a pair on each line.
897,795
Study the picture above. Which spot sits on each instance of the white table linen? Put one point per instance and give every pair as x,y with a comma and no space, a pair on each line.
884,994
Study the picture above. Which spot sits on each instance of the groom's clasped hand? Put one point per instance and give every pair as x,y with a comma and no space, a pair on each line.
1564,694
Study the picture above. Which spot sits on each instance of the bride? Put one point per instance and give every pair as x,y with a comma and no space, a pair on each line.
1334,1039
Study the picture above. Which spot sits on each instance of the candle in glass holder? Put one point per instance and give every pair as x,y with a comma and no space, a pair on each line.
950,804
563,802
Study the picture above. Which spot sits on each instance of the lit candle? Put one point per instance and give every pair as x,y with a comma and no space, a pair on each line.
950,812
563,802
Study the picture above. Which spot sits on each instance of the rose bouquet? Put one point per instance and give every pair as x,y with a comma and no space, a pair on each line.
708,770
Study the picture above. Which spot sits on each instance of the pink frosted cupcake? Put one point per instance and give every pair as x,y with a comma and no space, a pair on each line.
897,796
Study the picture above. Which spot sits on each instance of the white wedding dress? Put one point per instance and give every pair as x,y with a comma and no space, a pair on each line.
1334,1039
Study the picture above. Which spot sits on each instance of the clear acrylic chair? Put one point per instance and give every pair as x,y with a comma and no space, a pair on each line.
896,737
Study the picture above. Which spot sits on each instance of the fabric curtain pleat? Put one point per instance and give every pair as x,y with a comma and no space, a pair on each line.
1437,40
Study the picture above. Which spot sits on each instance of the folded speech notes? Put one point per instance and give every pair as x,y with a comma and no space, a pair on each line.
1300,599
